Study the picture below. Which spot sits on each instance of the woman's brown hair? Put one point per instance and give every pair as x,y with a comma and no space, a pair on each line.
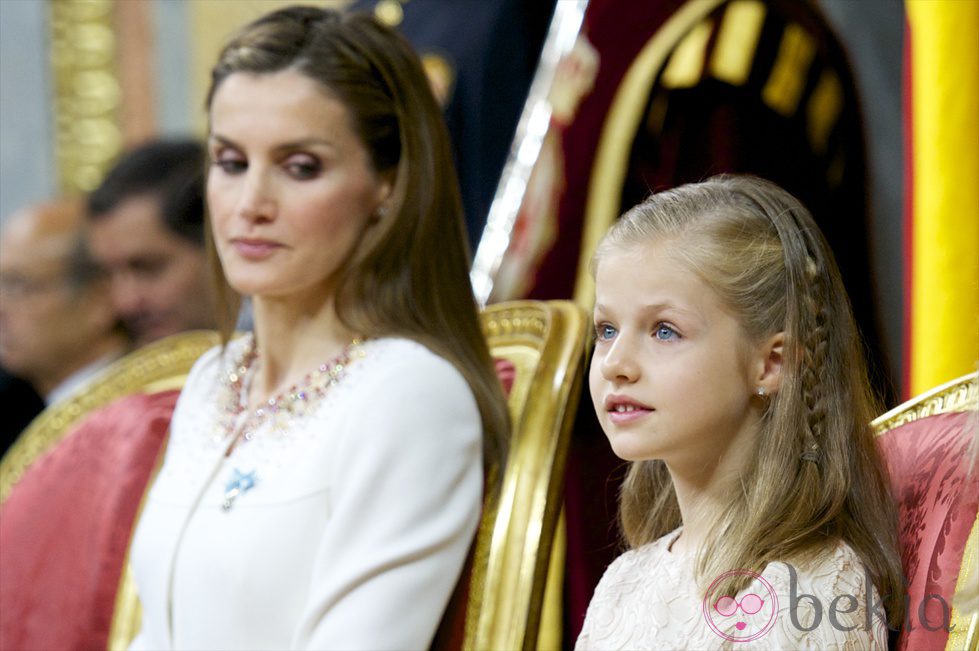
409,275
816,476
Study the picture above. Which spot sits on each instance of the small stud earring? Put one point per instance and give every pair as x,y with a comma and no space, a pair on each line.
381,211
760,392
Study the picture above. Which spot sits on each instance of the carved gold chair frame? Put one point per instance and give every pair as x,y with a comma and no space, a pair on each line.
160,366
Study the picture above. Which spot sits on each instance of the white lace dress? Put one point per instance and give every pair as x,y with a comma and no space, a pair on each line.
648,599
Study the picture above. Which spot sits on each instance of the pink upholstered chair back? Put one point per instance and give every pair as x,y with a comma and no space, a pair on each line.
70,490
930,447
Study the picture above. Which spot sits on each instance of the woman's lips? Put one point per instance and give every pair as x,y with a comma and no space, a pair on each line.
254,249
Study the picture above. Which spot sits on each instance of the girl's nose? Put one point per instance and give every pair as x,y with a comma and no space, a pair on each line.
619,363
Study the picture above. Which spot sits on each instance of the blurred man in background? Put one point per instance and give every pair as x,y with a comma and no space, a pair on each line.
146,228
57,325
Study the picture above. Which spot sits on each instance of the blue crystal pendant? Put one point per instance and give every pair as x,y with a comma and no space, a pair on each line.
240,482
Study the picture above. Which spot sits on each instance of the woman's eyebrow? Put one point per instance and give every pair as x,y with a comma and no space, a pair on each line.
285,146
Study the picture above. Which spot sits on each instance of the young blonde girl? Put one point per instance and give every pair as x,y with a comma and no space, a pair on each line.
729,371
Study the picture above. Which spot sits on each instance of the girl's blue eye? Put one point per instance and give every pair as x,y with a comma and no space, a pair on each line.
665,333
604,332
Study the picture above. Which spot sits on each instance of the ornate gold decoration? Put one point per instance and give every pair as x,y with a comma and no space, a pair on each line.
441,76
823,109
87,92
547,343
686,64
965,628
127,615
961,394
619,132
737,41
784,87
389,12
159,366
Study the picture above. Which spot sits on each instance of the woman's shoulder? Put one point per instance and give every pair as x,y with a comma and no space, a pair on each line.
217,361
209,377
404,351
406,363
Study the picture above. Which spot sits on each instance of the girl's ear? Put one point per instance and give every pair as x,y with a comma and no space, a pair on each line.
769,372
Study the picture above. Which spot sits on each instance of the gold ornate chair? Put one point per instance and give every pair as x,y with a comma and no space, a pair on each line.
515,589
66,528
160,366
930,444
542,346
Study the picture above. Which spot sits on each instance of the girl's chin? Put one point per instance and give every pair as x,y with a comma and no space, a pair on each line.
631,451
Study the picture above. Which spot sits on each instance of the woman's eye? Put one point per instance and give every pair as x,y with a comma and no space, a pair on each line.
664,332
303,168
231,165
604,332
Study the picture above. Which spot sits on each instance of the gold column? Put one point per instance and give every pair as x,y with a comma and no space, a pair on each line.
86,91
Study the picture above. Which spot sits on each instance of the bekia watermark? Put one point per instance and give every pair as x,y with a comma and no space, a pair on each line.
753,614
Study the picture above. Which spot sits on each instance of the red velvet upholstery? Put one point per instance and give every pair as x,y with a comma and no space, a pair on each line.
938,502
65,529
507,373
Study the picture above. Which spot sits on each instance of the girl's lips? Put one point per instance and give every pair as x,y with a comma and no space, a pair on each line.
629,416
255,249
622,409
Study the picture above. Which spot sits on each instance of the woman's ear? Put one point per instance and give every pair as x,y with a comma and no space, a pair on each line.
385,186
769,369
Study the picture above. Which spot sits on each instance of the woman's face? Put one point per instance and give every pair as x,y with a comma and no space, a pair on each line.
291,189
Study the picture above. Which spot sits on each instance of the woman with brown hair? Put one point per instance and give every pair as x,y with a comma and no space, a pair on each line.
324,476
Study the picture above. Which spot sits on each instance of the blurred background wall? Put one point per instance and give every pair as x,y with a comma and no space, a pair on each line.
147,65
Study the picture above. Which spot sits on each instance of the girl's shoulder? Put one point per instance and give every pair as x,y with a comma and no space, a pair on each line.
645,562
828,600
647,598
836,568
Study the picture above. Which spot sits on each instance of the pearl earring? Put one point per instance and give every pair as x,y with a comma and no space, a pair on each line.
760,392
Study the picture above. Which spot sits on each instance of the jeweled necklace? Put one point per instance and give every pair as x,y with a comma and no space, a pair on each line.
282,409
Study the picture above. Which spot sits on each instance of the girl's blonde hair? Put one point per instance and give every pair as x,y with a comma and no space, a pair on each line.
815,476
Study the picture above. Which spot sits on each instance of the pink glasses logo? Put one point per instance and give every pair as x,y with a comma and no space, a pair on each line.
742,620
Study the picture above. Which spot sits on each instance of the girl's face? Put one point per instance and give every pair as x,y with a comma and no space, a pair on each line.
672,375
291,189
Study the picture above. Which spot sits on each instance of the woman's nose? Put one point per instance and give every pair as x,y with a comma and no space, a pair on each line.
257,199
